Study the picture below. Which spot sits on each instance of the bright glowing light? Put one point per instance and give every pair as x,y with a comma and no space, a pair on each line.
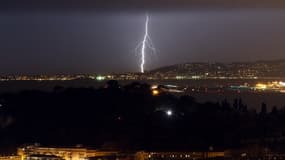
261,86
143,45
100,78
271,86
154,86
146,43
169,113
155,92
282,83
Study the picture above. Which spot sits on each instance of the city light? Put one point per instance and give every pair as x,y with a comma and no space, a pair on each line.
100,78
169,113
282,83
154,86
276,86
155,92
260,86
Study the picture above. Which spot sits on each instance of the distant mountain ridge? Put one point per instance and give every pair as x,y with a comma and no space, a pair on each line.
261,68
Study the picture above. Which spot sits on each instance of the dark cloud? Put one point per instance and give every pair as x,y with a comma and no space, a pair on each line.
71,36
135,5
93,42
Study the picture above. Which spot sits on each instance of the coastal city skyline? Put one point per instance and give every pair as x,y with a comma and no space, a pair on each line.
192,70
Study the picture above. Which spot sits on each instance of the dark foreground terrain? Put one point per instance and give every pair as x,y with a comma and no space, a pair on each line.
131,117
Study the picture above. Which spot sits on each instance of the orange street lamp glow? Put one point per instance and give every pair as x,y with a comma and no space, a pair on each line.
155,92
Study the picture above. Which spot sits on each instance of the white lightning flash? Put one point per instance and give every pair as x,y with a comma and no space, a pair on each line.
146,43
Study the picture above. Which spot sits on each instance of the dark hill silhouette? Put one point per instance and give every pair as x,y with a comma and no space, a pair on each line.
131,117
268,68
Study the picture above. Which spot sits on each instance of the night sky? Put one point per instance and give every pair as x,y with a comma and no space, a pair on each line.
101,36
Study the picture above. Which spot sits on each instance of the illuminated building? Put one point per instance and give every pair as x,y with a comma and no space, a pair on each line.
271,86
177,155
43,157
10,157
45,153
30,152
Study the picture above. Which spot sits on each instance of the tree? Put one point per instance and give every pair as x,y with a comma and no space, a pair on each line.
263,108
112,84
274,110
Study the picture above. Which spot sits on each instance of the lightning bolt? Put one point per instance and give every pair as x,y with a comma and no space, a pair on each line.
144,44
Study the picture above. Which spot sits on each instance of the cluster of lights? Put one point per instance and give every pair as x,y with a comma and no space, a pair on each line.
154,90
270,86
260,86
100,78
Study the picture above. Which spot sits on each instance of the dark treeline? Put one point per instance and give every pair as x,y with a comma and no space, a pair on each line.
130,117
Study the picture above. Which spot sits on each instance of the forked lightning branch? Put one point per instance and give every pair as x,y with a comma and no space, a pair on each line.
145,47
